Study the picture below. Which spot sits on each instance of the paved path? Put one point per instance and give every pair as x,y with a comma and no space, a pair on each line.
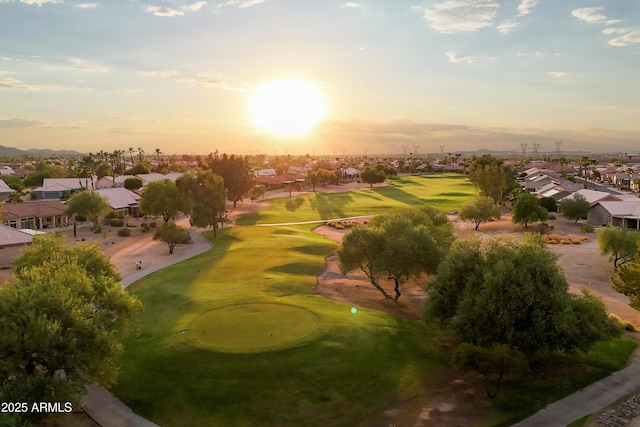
99,404
590,400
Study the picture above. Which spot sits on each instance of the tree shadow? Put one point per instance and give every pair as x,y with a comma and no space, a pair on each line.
293,204
329,206
400,195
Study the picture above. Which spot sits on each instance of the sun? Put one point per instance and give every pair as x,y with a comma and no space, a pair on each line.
287,107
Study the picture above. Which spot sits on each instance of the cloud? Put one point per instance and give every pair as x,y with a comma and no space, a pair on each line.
453,16
592,15
616,108
352,4
242,4
625,40
87,5
211,81
536,53
507,27
458,59
158,73
11,83
164,11
525,6
609,31
19,123
79,64
39,3
195,6
558,74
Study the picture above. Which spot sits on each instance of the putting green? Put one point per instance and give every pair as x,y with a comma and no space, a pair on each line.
254,327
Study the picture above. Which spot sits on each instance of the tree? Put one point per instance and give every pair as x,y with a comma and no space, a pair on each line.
162,198
139,168
626,280
481,209
549,203
236,173
372,176
103,169
527,209
399,245
206,197
172,235
515,294
575,207
88,204
493,178
13,182
312,179
35,179
132,183
60,327
619,244
256,192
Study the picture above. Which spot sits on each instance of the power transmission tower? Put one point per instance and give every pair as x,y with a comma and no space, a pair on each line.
441,150
536,146
558,144
404,149
415,149
524,145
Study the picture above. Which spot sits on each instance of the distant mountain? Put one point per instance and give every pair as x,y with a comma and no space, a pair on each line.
16,152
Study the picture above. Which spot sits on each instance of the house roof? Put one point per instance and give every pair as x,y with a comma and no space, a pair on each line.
67,184
35,209
119,197
9,236
4,188
594,196
627,209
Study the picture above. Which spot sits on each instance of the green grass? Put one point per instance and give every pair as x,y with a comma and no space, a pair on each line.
444,192
189,364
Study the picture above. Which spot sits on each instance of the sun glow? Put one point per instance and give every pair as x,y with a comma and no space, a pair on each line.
287,107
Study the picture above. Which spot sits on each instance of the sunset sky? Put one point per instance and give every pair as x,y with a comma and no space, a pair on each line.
183,76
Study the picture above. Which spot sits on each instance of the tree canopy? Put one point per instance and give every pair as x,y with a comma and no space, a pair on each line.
236,173
619,244
163,198
493,177
89,204
575,207
132,183
527,209
61,321
372,176
206,197
172,235
481,209
399,245
626,280
503,292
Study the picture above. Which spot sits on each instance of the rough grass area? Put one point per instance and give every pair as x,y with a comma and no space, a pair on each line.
447,192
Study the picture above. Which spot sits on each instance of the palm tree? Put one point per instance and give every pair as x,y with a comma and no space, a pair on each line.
158,152
140,154
131,154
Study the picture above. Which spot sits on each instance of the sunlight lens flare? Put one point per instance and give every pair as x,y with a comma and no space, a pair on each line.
287,107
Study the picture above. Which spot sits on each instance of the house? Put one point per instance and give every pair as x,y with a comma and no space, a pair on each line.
624,214
149,177
5,191
535,182
11,242
37,214
594,196
58,188
6,170
121,200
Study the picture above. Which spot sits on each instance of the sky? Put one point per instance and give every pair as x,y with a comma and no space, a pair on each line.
394,76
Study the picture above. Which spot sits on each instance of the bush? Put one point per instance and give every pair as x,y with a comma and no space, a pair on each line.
81,218
117,222
113,214
97,230
145,228
586,228
153,224
124,232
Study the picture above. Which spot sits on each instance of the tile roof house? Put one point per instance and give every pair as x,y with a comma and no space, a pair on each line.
36,214
594,196
625,214
121,200
11,242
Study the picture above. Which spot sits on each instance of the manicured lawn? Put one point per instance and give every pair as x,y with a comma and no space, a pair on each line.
444,192
238,337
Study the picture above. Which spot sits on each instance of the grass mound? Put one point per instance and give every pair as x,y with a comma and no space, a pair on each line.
255,327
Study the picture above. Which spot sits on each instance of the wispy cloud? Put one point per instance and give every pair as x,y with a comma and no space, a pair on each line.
630,38
592,15
561,75
507,27
164,11
19,123
11,83
242,4
616,108
211,81
39,3
79,64
158,73
525,6
352,4
194,7
458,59
536,53
453,16
87,5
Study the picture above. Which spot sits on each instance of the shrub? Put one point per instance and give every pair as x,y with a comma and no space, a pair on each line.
153,224
97,230
124,232
586,228
113,214
117,222
81,218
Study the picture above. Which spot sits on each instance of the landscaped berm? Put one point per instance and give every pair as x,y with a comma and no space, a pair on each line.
254,327
238,336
